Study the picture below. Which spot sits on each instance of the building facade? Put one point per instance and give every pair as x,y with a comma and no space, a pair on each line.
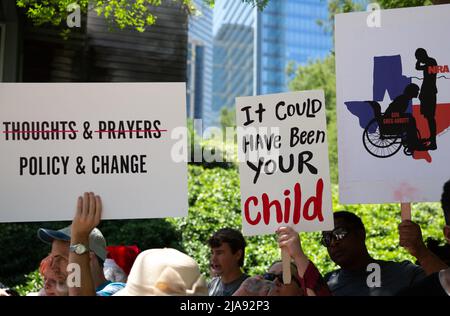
199,62
252,48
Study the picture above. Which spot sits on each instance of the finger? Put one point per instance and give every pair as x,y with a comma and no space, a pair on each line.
279,230
283,238
282,230
79,211
85,205
98,204
92,210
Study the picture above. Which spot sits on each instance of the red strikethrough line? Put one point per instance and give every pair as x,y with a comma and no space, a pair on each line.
131,131
26,132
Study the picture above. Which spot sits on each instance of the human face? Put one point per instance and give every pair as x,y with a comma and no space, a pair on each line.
54,282
280,289
344,251
60,258
224,261
54,285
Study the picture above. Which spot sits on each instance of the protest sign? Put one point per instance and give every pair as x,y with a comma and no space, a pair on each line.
115,139
283,162
393,105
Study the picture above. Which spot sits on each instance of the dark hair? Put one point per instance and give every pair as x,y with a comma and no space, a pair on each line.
350,218
445,202
280,261
233,238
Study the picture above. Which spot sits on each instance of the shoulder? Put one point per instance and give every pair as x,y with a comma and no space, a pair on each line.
406,267
331,275
213,283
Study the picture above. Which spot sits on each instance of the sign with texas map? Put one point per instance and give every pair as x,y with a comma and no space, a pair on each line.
393,104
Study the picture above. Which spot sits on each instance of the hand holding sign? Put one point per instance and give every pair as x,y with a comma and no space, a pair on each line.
284,167
411,237
87,217
289,242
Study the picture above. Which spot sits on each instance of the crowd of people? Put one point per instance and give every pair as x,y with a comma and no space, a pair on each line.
81,264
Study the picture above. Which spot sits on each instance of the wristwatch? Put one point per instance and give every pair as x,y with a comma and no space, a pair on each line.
79,249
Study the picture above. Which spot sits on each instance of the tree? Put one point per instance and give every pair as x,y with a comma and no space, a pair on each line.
227,117
121,13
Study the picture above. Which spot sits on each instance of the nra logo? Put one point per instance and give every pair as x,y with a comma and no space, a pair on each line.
438,69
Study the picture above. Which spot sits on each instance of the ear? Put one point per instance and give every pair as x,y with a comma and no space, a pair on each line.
238,254
447,233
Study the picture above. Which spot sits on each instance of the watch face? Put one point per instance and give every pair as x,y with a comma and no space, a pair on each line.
79,249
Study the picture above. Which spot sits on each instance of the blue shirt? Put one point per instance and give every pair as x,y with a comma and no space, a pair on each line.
109,288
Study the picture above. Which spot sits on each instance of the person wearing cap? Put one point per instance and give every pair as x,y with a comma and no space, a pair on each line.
81,244
164,272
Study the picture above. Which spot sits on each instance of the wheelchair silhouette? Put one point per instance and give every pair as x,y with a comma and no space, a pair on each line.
382,139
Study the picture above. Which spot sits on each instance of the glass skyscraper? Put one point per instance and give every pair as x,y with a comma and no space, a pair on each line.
288,31
199,63
252,49
237,50
234,53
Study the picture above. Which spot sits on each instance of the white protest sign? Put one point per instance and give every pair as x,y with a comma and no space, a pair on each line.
401,154
58,140
283,162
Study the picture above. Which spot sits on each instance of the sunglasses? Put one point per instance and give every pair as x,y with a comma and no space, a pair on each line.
272,277
336,234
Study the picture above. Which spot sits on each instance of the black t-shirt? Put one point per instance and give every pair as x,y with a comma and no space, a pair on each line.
430,286
394,276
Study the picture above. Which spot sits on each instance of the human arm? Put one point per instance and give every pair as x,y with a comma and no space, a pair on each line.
410,236
310,278
87,217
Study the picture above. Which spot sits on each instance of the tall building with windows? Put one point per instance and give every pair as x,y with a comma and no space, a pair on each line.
288,32
234,53
199,62
252,48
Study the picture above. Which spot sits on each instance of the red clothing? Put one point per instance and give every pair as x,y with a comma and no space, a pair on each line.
124,256
313,280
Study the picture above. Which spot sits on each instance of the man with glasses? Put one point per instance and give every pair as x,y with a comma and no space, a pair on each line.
347,248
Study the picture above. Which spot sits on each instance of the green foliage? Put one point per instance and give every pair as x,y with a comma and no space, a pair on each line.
344,6
145,233
227,117
33,283
391,4
335,7
260,4
135,14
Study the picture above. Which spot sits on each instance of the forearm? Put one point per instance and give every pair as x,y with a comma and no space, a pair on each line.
301,262
430,262
312,281
85,287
